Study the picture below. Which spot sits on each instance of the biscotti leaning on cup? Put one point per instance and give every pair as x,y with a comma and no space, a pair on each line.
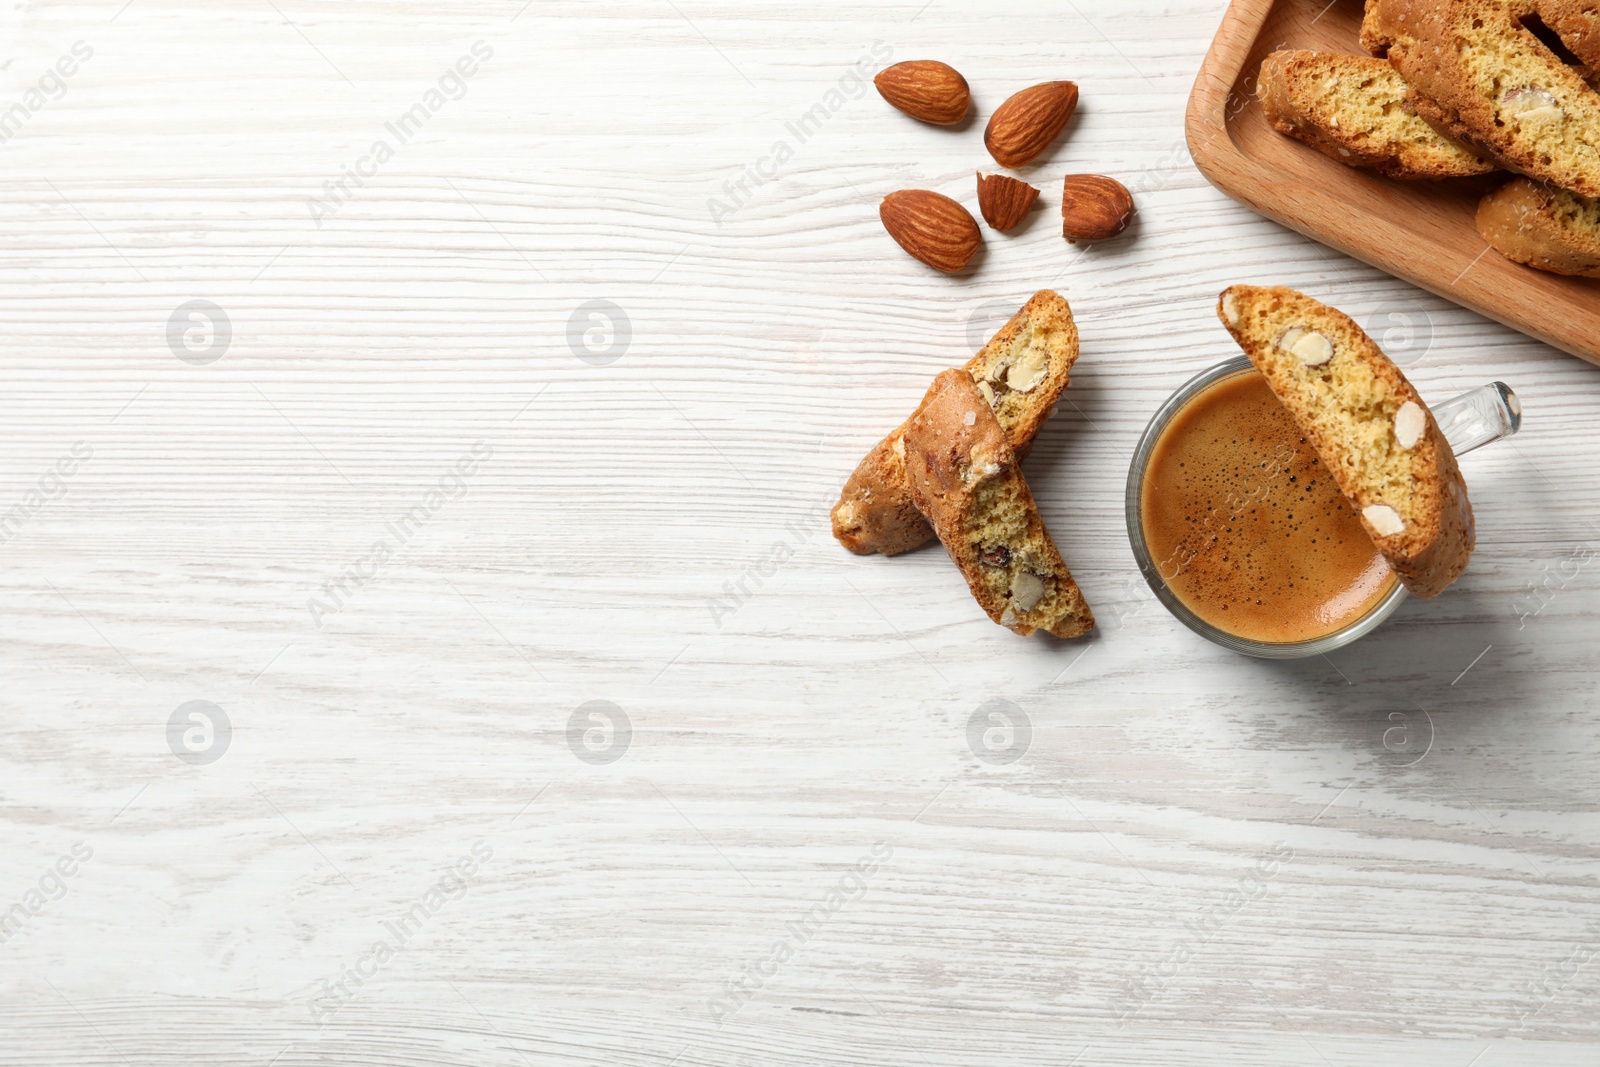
1021,373
1369,426
1484,80
966,478
1546,228
1354,109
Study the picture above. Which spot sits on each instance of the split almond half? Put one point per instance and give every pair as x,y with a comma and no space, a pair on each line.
1094,207
1004,201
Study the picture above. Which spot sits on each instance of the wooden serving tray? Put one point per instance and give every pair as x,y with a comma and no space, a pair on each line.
1420,231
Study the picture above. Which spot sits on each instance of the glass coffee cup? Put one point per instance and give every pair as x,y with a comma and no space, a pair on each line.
1468,422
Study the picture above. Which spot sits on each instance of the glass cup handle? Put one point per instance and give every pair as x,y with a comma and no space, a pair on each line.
1478,418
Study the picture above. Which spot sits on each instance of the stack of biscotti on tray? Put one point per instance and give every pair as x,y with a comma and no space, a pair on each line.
1459,89
952,471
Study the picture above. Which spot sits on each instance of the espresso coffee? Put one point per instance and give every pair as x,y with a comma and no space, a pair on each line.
1247,528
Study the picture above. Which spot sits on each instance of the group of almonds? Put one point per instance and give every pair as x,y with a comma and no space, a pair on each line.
938,230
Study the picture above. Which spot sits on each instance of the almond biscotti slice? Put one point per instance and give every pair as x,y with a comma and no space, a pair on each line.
1482,79
1546,228
1369,426
965,477
1021,373
1354,109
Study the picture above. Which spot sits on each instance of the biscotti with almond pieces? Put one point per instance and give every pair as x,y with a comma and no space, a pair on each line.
1021,372
1543,227
1368,424
1354,109
966,478
1484,80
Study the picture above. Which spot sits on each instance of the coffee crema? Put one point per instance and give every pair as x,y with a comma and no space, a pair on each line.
1247,528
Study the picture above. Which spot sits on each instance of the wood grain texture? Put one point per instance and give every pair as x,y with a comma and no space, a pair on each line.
1421,231
1197,859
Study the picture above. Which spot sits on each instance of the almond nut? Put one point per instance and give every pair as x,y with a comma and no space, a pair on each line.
1029,122
1094,207
1531,105
980,465
1384,519
1409,422
932,228
1027,372
1004,201
1230,308
927,90
1312,349
1027,589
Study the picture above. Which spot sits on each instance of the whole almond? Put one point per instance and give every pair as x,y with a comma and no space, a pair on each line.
926,89
1004,201
932,228
1029,122
1094,207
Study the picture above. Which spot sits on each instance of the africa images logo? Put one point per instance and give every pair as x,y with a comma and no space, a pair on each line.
51,886
51,86
850,886
456,882
852,85
451,85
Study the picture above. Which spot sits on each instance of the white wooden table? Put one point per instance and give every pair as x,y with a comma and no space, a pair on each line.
792,853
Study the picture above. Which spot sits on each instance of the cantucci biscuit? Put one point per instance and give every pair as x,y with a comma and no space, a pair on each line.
1373,432
1354,109
964,476
1021,373
1546,228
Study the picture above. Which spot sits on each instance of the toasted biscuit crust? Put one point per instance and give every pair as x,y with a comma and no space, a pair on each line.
875,512
1546,228
1347,407
965,477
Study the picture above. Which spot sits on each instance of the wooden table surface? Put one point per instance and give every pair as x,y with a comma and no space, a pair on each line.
429,648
